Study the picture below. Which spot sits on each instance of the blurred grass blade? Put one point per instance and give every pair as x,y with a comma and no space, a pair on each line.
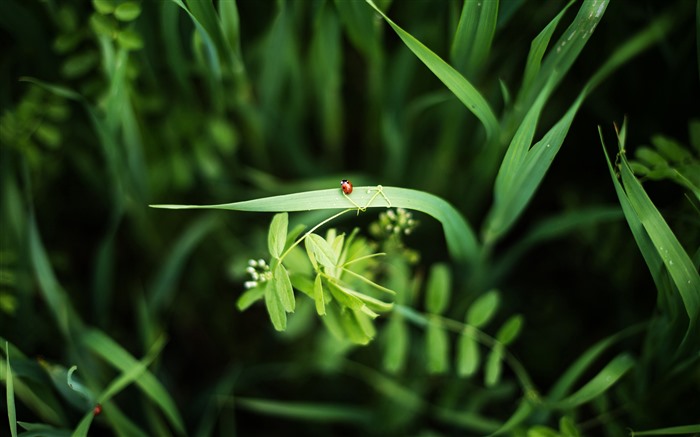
472,41
114,354
521,413
326,412
461,87
360,27
164,285
674,430
567,380
459,236
54,295
10,393
600,383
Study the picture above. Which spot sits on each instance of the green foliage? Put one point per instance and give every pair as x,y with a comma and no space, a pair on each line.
519,306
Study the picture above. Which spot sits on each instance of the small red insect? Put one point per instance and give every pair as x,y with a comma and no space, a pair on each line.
97,410
346,185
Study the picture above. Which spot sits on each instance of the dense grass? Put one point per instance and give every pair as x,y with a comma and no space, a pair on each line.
518,283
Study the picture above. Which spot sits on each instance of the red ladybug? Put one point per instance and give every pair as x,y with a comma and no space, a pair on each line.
97,410
346,185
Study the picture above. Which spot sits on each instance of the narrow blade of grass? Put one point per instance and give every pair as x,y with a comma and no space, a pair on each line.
600,383
472,41
312,412
461,87
114,354
461,240
10,393
674,430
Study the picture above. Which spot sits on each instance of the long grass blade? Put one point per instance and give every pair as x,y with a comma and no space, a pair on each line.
600,383
461,87
472,41
10,393
461,240
114,354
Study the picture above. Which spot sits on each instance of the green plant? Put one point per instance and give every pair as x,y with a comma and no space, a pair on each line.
520,305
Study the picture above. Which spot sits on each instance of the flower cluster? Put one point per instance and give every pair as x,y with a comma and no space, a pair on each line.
394,223
259,272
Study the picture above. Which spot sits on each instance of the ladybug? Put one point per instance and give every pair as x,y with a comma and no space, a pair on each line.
346,185
97,410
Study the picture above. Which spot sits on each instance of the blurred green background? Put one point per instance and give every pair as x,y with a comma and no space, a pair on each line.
109,106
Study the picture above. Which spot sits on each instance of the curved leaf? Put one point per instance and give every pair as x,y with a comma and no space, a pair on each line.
461,240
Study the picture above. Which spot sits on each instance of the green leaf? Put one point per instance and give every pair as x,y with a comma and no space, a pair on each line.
319,297
437,347
357,327
461,87
567,427
437,295
129,39
494,365
322,251
474,35
127,11
311,412
278,316
483,309
10,393
510,330
460,238
671,149
468,353
397,339
600,383
277,236
283,288
655,239
249,297
104,7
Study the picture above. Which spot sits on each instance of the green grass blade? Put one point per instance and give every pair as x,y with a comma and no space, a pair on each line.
312,412
511,202
459,236
565,51
600,383
461,87
10,393
567,380
675,258
537,48
114,354
472,41
164,284
674,430
54,295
